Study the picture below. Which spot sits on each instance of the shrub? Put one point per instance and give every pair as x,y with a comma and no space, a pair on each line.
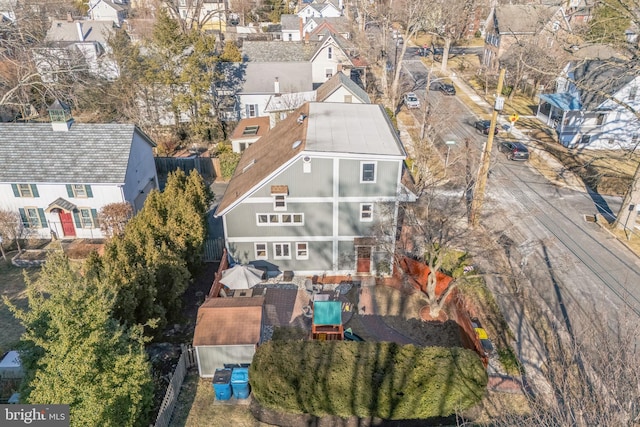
366,379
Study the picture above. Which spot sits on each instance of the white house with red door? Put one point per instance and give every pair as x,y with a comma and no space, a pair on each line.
59,175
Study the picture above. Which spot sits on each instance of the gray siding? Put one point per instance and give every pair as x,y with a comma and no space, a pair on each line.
385,185
346,256
350,224
317,183
319,255
211,357
241,221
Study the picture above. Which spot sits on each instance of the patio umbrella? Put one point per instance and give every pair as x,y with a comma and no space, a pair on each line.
241,277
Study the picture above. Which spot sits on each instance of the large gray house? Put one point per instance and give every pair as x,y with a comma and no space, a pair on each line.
312,195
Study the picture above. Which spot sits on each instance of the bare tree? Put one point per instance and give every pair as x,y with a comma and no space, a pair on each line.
113,218
11,227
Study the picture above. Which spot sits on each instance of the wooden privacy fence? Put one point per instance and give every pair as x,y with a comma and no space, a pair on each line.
186,361
204,165
213,249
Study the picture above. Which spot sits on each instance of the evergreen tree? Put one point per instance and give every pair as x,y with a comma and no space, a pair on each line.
80,355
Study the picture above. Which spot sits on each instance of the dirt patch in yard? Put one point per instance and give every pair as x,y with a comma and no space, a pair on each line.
81,248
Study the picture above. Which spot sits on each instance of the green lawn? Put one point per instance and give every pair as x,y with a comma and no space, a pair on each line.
12,286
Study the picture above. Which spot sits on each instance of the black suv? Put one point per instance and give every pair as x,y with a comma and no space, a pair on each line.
514,150
484,125
445,88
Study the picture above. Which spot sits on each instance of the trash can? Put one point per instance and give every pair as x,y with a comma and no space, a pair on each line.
240,382
222,384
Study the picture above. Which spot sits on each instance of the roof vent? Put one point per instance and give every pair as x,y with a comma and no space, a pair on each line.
296,144
301,118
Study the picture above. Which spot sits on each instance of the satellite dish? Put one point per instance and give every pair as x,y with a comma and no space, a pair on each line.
296,144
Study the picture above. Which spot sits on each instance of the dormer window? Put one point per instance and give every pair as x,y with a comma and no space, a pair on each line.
279,193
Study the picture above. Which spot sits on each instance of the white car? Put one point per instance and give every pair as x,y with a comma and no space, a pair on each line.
411,100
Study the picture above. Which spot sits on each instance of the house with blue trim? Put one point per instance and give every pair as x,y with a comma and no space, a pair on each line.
595,105
59,175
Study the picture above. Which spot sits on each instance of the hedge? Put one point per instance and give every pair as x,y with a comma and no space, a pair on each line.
366,379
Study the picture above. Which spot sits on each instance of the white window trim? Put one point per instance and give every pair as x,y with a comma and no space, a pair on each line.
283,245
328,73
279,221
375,172
275,202
362,218
255,251
306,249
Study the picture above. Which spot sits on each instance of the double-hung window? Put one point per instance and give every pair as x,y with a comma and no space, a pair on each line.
366,212
302,250
367,172
261,250
281,251
280,202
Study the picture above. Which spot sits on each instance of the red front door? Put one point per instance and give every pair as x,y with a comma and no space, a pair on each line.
67,224
364,259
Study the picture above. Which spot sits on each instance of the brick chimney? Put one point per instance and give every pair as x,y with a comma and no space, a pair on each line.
301,33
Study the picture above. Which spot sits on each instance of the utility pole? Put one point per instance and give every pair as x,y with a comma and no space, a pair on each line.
483,172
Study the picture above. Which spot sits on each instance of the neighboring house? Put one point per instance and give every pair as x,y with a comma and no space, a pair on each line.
594,106
78,45
310,195
209,15
227,332
341,88
247,132
59,175
291,28
318,28
320,10
327,57
248,87
338,88
511,24
579,11
108,10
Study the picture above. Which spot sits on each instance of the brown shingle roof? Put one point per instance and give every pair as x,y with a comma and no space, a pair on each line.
229,321
261,122
265,156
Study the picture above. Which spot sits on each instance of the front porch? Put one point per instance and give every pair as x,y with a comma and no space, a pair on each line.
559,111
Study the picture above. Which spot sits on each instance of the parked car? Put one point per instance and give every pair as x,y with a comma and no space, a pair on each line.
446,88
484,125
411,100
514,150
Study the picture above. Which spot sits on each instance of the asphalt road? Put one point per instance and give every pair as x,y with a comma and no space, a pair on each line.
576,270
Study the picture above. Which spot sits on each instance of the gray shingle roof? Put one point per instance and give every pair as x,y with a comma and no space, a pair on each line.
259,77
94,31
523,18
278,51
290,22
86,154
597,80
340,79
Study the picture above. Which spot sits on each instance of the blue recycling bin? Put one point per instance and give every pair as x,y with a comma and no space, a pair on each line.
240,383
222,384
